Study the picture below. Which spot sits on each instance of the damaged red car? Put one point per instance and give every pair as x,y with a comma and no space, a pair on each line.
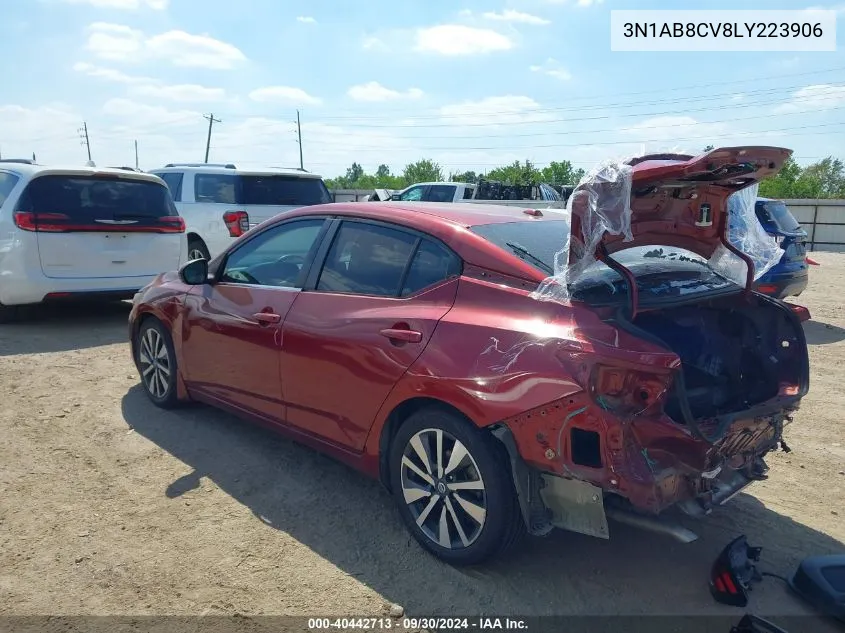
409,340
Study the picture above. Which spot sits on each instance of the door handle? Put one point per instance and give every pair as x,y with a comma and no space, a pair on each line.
402,334
267,318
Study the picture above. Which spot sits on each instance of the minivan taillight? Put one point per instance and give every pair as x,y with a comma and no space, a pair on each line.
47,222
171,224
237,222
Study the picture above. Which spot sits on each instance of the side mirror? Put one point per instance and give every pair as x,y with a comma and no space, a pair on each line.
395,197
195,272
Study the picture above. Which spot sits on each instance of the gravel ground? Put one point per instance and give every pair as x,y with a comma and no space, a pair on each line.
109,506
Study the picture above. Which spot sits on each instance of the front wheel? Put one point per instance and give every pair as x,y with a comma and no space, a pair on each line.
453,487
197,249
156,363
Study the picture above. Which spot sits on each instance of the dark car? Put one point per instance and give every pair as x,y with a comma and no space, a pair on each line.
403,339
788,278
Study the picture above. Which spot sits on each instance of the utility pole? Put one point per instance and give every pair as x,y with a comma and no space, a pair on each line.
83,134
136,153
299,140
211,121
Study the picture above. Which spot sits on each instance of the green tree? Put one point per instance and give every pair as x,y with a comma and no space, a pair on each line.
561,173
464,176
425,170
827,177
515,174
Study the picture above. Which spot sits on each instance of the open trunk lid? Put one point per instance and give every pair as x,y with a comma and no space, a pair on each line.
670,200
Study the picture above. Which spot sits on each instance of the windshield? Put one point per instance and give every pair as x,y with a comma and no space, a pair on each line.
260,190
662,272
775,217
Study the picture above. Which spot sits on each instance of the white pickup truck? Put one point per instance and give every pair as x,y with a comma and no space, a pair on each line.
542,196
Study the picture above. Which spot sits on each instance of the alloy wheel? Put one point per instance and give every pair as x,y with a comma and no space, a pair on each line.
155,363
195,253
443,488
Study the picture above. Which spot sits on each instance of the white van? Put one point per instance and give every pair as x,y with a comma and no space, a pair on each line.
221,202
82,232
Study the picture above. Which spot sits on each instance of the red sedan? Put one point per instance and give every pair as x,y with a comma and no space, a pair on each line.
402,339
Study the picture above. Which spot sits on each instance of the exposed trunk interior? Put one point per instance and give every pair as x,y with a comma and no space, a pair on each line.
736,353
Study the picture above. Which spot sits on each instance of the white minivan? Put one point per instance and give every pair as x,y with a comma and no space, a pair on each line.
82,232
221,202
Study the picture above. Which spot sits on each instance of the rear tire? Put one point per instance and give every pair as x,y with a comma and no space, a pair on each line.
197,249
156,361
461,507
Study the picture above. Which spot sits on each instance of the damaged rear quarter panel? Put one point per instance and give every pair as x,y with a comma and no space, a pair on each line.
527,364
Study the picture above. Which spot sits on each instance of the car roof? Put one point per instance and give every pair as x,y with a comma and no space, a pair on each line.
441,182
447,222
222,169
27,170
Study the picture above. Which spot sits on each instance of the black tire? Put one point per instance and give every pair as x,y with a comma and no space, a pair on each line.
503,524
150,332
196,245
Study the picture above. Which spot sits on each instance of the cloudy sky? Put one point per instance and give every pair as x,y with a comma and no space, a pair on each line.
471,84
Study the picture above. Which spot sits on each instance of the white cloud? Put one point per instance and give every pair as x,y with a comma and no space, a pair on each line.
580,3
149,87
456,40
553,69
117,42
501,110
146,116
837,8
816,97
110,74
510,15
372,43
374,91
666,129
306,19
180,92
126,5
284,94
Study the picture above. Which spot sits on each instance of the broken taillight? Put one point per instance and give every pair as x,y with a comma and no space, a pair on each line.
237,222
625,391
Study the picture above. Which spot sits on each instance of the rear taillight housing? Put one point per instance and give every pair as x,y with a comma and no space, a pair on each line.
237,222
62,223
624,391
171,224
46,222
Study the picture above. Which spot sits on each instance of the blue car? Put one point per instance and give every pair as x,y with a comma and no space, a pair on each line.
787,278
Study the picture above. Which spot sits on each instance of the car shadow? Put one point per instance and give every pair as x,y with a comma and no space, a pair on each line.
819,333
66,326
351,521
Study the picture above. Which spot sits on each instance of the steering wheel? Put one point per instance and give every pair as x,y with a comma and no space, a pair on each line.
241,276
291,259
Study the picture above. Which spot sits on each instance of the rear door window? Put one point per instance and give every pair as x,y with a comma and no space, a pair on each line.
174,183
260,190
432,264
367,259
7,183
97,203
283,191
441,193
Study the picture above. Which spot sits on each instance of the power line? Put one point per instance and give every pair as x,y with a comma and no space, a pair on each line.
211,121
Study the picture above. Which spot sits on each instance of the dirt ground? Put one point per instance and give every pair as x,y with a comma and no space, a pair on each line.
110,506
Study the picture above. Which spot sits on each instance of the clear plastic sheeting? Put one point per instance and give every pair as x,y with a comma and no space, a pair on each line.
747,234
603,200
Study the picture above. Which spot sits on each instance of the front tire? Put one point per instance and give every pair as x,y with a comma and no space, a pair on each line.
197,249
453,486
156,362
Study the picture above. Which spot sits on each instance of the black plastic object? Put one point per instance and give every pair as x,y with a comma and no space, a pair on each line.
820,580
734,571
754,624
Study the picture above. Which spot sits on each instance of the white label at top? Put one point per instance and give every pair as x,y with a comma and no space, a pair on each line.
805,30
